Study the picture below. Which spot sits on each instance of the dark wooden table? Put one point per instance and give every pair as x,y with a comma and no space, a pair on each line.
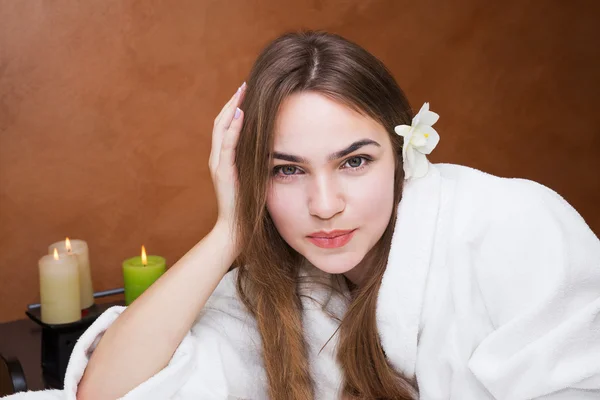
22,339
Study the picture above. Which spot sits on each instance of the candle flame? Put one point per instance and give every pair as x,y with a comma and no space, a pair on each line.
144,258
55,254
68,245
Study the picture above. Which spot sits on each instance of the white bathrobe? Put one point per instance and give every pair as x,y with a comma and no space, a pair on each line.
492,290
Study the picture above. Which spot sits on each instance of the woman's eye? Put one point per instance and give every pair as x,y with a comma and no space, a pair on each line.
284,170
288,170
355,162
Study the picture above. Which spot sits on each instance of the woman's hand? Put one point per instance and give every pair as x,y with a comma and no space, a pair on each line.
225,135
162,316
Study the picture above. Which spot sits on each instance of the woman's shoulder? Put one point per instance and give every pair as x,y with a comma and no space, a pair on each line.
483,185
482,198
524,243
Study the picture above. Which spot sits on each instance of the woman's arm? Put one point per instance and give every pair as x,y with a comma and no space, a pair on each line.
145,336
158,320
539,272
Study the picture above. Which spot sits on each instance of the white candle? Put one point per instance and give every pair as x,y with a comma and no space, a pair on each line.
59,288
80,249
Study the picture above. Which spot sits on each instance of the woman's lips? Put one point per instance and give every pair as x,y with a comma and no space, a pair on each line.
334,242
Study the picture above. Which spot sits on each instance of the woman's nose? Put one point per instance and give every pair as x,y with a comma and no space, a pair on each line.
325,200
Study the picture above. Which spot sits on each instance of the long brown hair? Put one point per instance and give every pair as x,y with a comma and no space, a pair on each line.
268,274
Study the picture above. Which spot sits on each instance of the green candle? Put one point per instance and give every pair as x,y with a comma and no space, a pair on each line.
139,273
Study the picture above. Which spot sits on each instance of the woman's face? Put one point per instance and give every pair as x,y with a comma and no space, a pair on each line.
333,169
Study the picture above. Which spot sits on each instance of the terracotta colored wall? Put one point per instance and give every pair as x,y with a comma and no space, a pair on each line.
106,109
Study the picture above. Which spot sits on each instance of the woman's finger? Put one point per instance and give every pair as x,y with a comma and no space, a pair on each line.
228,113
225,107
237,95
227,156
213,160
221,126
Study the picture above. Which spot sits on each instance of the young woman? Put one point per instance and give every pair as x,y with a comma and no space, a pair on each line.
363,271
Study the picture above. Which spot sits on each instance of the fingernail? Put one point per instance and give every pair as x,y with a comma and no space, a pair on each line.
240,89
237,113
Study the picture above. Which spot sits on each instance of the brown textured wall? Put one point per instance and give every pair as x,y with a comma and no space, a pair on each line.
106,108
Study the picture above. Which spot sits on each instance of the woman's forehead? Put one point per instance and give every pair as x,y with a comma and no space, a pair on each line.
312,122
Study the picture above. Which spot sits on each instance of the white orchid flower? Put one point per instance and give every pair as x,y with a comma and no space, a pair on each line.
419,140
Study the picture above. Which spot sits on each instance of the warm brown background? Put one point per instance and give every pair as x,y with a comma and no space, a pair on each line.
106,108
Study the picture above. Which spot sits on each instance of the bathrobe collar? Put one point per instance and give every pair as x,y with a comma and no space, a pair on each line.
400,298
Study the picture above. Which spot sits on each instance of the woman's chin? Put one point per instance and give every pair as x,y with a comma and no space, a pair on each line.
335,264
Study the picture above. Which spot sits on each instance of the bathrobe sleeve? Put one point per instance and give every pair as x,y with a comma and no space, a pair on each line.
538,269
218,358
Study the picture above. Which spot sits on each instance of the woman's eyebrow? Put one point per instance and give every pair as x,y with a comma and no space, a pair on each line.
334,156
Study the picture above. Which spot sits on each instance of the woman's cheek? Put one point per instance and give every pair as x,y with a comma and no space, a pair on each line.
373,196
282,204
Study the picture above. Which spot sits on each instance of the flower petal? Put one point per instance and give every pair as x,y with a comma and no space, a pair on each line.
429,118
407,164
432,140
420,165
417,118
424,108
418,140
403,130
